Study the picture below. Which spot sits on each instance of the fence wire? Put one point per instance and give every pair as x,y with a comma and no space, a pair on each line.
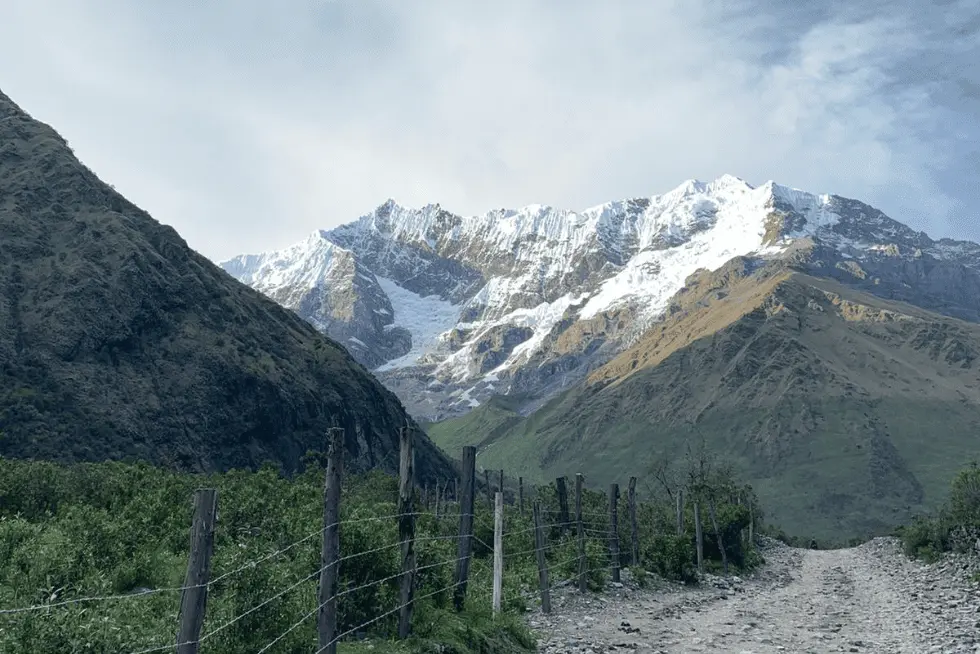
593,524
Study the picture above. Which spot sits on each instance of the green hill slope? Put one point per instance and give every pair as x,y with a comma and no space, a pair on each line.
846,411
119,341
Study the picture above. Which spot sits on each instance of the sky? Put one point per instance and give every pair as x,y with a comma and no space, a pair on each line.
246,125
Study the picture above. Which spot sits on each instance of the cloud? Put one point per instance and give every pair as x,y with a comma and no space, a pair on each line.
246,125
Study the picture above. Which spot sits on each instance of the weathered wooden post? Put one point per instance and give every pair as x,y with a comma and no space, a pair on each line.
741,532
562,504
699,535
583,563
498,550
634,524
539,545
614,529
438,498
680,511
500,485
406,530
194,597
465,544
330,550
721,542
520,494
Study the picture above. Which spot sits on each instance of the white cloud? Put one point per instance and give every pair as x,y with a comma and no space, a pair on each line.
246,125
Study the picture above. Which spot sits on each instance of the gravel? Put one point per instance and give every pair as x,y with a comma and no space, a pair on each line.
869,598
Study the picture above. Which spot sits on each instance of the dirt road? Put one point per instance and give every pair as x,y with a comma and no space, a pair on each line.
864,599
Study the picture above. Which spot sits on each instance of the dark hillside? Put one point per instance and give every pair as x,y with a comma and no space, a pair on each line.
118,341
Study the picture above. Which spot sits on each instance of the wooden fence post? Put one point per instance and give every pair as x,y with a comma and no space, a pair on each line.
614,529
634,524
543,583
741,532
498,550
721,542
583,563
562,504
438,498
194,597
680,511
330,550
699,535
465,544
520,494
406,530
500,486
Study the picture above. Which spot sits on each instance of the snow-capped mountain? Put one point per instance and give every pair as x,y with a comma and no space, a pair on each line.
451,309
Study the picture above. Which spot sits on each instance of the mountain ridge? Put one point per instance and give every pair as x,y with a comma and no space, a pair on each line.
528,301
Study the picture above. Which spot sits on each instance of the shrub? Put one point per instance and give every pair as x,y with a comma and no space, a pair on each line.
954,527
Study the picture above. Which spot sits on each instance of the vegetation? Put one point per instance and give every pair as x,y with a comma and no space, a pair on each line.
824,398
955,527
110,529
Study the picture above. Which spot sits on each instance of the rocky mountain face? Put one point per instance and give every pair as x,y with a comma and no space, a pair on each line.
847,412
117,341
451,310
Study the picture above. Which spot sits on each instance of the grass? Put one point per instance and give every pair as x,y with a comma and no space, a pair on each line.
491,418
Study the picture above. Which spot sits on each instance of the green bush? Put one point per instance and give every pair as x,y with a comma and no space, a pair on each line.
964,498
673,557
956,526
115,529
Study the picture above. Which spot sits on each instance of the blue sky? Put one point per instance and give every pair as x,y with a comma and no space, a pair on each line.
248,124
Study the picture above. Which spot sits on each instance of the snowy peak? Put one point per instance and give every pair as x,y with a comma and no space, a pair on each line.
306,262
449,309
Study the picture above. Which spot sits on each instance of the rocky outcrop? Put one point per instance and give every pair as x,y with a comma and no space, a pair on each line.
334,292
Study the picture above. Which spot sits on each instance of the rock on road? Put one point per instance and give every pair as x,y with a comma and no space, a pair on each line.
863,599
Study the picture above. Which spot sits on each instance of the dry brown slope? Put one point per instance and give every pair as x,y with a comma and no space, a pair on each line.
119,341
846,410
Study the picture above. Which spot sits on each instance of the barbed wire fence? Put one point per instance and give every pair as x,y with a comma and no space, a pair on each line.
568,545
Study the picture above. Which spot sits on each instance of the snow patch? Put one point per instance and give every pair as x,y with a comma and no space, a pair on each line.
425,318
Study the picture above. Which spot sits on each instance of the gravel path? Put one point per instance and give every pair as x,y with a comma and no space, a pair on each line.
863,599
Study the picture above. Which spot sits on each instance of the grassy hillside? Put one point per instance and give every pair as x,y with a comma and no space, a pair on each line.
486,422
847,412
117,341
